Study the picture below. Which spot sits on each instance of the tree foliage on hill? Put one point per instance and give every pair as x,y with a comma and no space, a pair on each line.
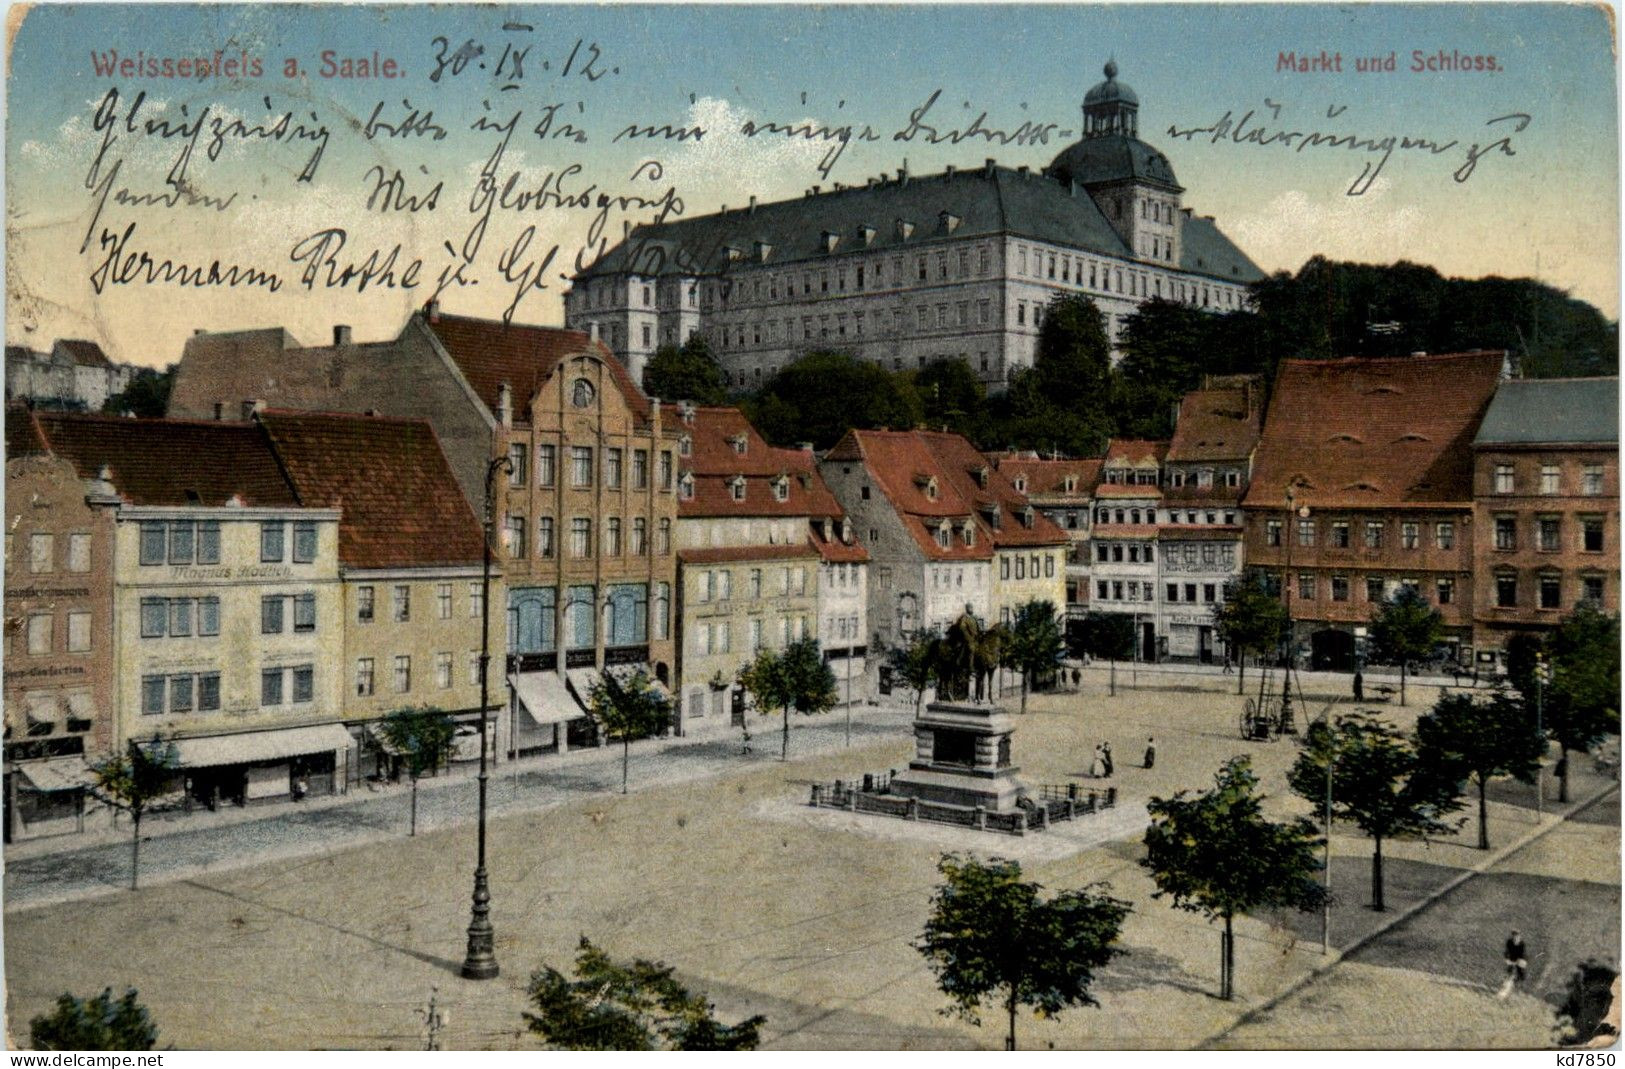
641,1006
1216,854
950,396
821,396
686,373
990,935
99,1023
146,396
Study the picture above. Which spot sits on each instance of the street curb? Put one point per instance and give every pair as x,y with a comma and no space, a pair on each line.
1337,957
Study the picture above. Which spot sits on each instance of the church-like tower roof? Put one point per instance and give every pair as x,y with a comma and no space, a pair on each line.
1110,149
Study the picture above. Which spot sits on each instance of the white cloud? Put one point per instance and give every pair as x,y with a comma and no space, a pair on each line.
729,166
1375,226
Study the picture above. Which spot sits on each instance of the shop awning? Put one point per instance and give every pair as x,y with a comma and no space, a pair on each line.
250,746
66,774
582,681
545,697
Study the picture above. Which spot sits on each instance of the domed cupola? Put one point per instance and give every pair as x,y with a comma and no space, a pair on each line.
1110,107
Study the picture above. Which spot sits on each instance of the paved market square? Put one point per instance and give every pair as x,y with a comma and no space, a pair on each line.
715,865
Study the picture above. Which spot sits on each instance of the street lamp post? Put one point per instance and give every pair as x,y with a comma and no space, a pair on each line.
480,963
1326,866
1541,672
1287,578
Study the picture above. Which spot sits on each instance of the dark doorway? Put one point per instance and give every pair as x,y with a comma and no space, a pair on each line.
1331,651
1148,643
1204,644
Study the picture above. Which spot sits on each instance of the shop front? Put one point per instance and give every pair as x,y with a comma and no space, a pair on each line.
264,766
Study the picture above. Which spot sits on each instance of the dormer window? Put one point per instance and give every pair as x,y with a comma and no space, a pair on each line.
991,514
968,533
829,241
781,489
739,442
866,234
736,487
763,251
734,255
1071,484
846,530
950,221
1027,516
685,446
685,486
1021,484
980,475
905,230
944,537
927,485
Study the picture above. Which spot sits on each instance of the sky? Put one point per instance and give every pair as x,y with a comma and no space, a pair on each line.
86,156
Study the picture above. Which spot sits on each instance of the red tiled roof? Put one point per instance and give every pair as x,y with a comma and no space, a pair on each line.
1215,425
715,463
1136,450
401,505
1127,490
84,353
1047,477
1361,433
731,554
905,464
837,552
172,462
23,437
490,352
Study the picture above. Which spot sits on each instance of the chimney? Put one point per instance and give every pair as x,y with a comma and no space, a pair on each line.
592,330
341,336
431,311
805,447
505,405
1022,170
753,204
219,411
654,411
815,193
626,228
948,175
987,167
1072,187
253,407
199,332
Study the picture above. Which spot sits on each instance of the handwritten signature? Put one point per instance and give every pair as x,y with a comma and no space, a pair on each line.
1249,131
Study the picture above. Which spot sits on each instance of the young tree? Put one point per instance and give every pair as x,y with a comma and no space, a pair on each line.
796,676
627,711
914,665
1581,703
1377,782
686,373
1464,738
1033,643
1249,618
1405,628
423,739
134,781
990,934
1216,854
97,1023
611,1006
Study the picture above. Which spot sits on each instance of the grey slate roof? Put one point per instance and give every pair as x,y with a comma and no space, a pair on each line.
1528,411
986,201
1113,158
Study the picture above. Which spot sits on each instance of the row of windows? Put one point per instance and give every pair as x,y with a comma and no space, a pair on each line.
1211,592
188,692
1120,552
1548,590
183,617
717,585
515,530
274,614
717,636
1149,515
40,627
1377,590
533,616
842,628
42,553
1120,590
1138,283
1339,533
401,677
1022,566
180,542
1548,532
1549,479
400,602
582,469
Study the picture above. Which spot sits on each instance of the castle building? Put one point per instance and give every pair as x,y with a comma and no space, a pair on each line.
75,375
908,269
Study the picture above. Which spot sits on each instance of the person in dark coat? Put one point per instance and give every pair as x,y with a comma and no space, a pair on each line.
1150,752
1359,686
1517,959
1106,756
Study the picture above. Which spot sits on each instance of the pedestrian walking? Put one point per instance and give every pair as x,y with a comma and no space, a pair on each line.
1359,686
1229,668
1097,767
1517,961
1106,756
1150,752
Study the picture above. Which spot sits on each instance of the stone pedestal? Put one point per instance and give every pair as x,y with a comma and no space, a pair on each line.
962,757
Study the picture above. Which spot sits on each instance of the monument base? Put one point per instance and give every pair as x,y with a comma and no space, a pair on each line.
997,793
962,757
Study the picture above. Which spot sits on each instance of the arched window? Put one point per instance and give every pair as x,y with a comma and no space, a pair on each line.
578,618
